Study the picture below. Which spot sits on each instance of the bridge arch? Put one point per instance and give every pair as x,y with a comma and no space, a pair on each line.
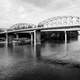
60,21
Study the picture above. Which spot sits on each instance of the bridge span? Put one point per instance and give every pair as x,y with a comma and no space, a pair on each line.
59,23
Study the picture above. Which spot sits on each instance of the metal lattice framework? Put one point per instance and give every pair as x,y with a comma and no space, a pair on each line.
60,21
19,26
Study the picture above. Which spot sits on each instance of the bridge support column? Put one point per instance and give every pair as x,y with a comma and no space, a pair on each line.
17,36
32,37
65,37
6,39
37,37
65,32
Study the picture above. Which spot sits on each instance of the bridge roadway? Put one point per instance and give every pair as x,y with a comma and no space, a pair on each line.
43,29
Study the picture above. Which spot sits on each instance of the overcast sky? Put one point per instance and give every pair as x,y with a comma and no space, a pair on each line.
34,11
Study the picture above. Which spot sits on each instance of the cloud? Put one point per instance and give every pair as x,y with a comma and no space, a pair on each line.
34,11
17,11
39,3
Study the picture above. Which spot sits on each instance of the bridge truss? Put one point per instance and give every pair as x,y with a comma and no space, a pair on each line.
60,21
19,26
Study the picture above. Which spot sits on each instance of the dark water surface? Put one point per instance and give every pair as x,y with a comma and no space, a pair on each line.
40,62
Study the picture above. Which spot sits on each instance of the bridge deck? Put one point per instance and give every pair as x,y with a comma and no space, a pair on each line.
65,28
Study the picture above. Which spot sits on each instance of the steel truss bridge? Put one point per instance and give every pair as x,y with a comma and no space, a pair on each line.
58,23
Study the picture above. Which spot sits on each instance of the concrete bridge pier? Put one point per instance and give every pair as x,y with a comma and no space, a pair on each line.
6,39
37,37
65,32
66,47
32,38
17,36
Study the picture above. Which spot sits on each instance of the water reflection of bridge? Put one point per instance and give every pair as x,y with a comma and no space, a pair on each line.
64,24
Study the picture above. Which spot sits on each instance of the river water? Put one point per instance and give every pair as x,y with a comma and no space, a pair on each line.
48,61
